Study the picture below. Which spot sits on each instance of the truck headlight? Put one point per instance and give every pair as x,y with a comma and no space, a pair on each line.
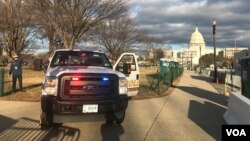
50,86
123,86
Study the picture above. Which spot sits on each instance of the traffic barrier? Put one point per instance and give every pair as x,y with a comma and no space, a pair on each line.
234,80
238,111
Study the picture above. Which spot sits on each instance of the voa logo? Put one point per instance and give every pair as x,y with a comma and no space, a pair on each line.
236,132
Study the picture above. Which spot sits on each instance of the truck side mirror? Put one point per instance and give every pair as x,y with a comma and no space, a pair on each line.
126,68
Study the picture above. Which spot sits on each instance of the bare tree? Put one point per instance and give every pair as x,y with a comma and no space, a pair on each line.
72,18
154,46
158,53
47,31
15,29
117,36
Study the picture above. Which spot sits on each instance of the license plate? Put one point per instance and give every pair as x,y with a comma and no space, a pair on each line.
90,108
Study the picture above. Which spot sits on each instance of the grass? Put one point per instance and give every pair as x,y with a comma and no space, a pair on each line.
32,81
150,85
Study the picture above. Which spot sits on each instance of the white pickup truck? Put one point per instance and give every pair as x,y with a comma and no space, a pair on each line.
83,86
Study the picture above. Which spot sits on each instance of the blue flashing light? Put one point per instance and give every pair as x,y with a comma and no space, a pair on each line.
105,79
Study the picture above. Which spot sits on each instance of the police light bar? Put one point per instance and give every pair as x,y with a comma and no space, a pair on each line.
75,79
105,78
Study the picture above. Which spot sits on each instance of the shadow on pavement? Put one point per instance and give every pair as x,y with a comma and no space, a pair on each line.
203,78
6,123
24,89
33,86
29,129
111,132
208,116
202,93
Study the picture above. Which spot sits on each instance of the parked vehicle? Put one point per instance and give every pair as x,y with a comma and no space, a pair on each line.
83,86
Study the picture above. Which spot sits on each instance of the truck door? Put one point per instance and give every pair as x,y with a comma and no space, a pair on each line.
133,77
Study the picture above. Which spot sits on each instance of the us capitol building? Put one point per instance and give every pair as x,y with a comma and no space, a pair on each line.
196,48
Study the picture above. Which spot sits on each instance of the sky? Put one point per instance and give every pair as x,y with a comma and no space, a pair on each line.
175,20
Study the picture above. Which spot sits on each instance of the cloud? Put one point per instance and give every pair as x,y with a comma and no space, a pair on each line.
175,20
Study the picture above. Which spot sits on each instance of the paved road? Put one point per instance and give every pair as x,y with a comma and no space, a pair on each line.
193,111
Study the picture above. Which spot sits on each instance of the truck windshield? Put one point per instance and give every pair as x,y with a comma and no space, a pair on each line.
79,58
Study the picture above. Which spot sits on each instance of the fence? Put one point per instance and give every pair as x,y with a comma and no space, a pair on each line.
234,80
225,76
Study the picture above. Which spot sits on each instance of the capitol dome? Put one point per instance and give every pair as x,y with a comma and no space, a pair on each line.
197,39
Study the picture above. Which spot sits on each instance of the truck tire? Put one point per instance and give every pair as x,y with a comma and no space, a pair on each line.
45,120
110,118
121,118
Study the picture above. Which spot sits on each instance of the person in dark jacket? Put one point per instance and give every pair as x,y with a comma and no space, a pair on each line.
16,72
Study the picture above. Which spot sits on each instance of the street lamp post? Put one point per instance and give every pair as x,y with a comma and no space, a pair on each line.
182,58
215,66
200,60
191,61
235,46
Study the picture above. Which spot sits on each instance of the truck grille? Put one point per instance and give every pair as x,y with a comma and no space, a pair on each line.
88,86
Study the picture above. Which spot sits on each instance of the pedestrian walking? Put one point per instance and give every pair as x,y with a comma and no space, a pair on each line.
16,72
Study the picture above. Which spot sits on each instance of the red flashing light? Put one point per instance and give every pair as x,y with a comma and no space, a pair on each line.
75,79
84,54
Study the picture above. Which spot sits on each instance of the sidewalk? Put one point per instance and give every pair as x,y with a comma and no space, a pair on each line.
204,83
192,112
220,87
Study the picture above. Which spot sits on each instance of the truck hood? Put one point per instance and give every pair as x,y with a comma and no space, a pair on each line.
56,71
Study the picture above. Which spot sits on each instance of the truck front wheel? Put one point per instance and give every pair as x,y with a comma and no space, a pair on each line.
120,117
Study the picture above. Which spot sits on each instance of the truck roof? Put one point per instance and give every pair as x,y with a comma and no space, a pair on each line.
77,50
